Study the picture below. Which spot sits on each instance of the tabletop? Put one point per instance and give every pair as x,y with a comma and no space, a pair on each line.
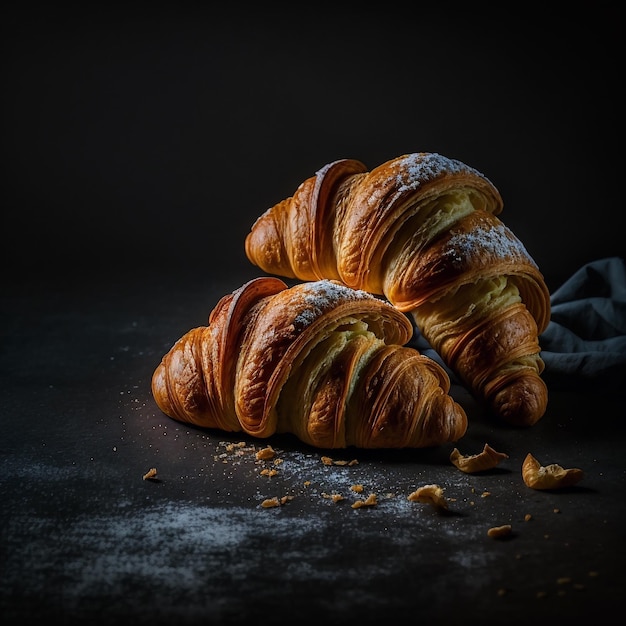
87,533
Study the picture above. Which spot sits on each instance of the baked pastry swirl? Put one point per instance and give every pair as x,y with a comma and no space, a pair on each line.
319,360
423,231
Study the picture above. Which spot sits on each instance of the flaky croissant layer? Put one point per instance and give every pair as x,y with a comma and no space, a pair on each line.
423,231
319,360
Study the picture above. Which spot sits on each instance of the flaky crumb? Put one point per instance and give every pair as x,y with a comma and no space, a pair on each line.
269,503
335,497
265,454
268,472
150,474
326,460
357,488
371,500
429,494
537,476
231,447
472,463
499,532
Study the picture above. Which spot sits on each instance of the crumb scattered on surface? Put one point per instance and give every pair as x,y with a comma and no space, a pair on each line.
472,463
326,460
553,476
335,497
429,494
269,472
266,454
498,532
151,474
371,500
269,503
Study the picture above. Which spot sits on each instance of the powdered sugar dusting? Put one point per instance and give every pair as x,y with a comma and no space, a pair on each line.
490,241
418,168
323,295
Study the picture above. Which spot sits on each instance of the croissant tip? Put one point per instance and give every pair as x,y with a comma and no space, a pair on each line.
521,403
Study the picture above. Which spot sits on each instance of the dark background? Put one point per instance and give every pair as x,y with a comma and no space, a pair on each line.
149,140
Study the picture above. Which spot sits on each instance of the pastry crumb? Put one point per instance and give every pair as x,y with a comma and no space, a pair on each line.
472,463
269,503
326,460
151,474
498,532
429,494
335,497
371,500
266,453
553,476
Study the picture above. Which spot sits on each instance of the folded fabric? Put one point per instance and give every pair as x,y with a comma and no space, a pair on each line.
585,341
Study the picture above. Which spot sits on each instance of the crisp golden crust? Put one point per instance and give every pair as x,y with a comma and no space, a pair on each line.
423,230
552,476
399,191
319,360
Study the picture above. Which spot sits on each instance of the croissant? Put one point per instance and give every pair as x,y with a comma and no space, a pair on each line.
421,230
319,360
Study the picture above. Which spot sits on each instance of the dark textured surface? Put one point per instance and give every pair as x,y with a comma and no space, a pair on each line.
84,537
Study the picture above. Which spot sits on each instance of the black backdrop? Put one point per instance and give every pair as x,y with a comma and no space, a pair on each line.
140,140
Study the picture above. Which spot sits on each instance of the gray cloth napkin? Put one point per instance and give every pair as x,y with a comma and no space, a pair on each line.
585,341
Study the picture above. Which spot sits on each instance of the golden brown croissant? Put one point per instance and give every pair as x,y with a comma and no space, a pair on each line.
319,360
422,230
